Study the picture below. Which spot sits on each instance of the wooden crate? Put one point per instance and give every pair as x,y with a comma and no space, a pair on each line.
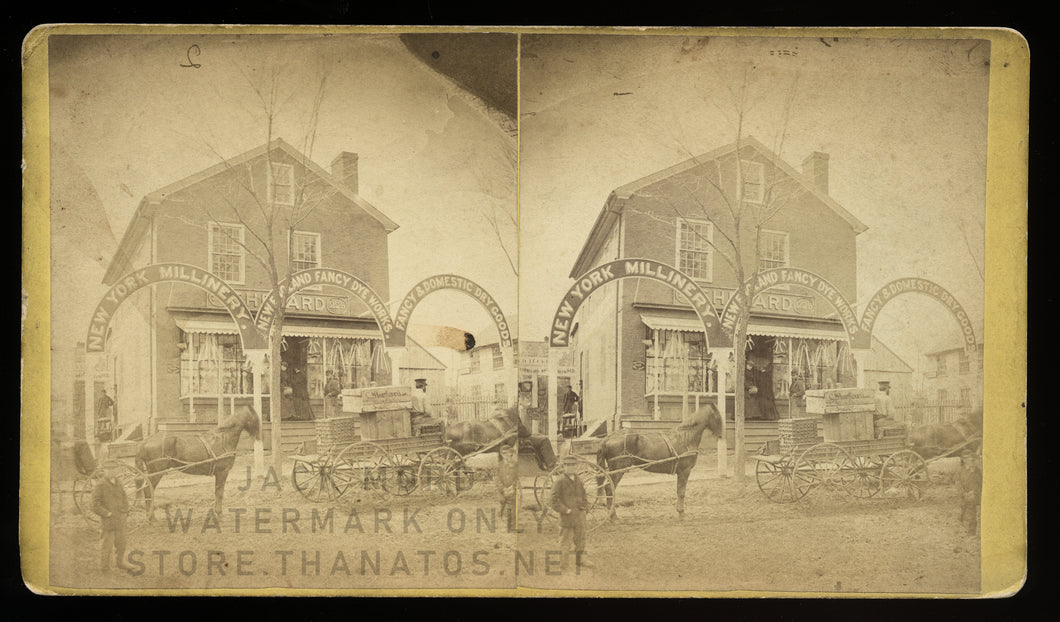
856,426
386,424
827,401
374,399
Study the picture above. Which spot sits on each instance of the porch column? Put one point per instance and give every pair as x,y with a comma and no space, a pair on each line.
511,382
860,357
721,358
553,407
257,365
91,360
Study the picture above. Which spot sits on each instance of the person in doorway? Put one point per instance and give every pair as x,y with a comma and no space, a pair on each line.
797,392
105,418
112,506
970,486
332,391
570,502
508,485
300,384
287,391
882,416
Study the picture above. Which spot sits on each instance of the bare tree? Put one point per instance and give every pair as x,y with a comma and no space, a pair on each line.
270,214
738,206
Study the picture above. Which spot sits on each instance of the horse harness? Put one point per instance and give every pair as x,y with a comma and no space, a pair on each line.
673,458
213,459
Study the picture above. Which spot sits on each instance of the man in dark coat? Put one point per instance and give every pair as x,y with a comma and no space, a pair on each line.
570,502
970,485
508,484
112,506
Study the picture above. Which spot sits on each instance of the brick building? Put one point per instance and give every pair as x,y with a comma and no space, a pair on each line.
174,352
641,351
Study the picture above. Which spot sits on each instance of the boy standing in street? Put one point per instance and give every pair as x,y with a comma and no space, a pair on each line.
110,503
969,485
570,502
508,483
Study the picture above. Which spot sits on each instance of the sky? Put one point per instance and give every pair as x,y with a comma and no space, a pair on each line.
904,123
127,119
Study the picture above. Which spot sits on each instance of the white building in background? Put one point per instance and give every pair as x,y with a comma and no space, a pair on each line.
954,375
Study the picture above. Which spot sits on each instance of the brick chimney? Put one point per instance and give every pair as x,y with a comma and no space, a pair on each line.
344,169
815,170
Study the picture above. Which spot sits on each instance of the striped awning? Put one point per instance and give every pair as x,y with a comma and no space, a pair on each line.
756,326
219,325
662,322
802,332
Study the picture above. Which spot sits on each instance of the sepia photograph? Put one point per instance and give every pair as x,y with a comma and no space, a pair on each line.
525,311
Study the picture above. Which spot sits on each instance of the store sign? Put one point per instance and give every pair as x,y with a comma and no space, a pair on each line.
535,365
769,302
455,283
563,320
301,302
172,273
758,286
915,286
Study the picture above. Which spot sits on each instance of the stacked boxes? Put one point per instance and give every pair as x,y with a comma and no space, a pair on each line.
847,414
797,432
336,431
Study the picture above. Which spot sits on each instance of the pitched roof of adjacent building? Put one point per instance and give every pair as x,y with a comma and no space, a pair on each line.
616,201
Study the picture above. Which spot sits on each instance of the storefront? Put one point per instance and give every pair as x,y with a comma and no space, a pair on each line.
214,375
678,363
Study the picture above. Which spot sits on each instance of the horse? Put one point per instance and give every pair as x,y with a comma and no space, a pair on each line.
677,447
936,439
212,453
468,437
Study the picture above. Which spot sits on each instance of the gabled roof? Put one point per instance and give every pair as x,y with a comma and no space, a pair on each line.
138,226
883,358
616,201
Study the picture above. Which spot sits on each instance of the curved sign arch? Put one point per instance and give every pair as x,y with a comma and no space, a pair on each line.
562,321
172,273
792,276
914,285
456,283
329,276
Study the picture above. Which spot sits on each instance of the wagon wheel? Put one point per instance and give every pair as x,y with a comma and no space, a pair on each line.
398,474
320,479
865,479
904,471
444,469
828,465
599,492
781,482
137,488
360,465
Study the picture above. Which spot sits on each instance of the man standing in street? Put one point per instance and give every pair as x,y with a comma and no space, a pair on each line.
569,501
883,408
508,485
110,503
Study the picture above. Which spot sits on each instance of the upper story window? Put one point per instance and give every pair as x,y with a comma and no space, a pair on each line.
305,252
964,363
754,183
498,357
773,249
695,253
227,255
940,365
282,183
474,365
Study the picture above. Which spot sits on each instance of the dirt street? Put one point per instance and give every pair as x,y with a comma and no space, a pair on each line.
732,538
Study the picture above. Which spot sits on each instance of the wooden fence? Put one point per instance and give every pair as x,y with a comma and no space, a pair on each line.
464,408
921,412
